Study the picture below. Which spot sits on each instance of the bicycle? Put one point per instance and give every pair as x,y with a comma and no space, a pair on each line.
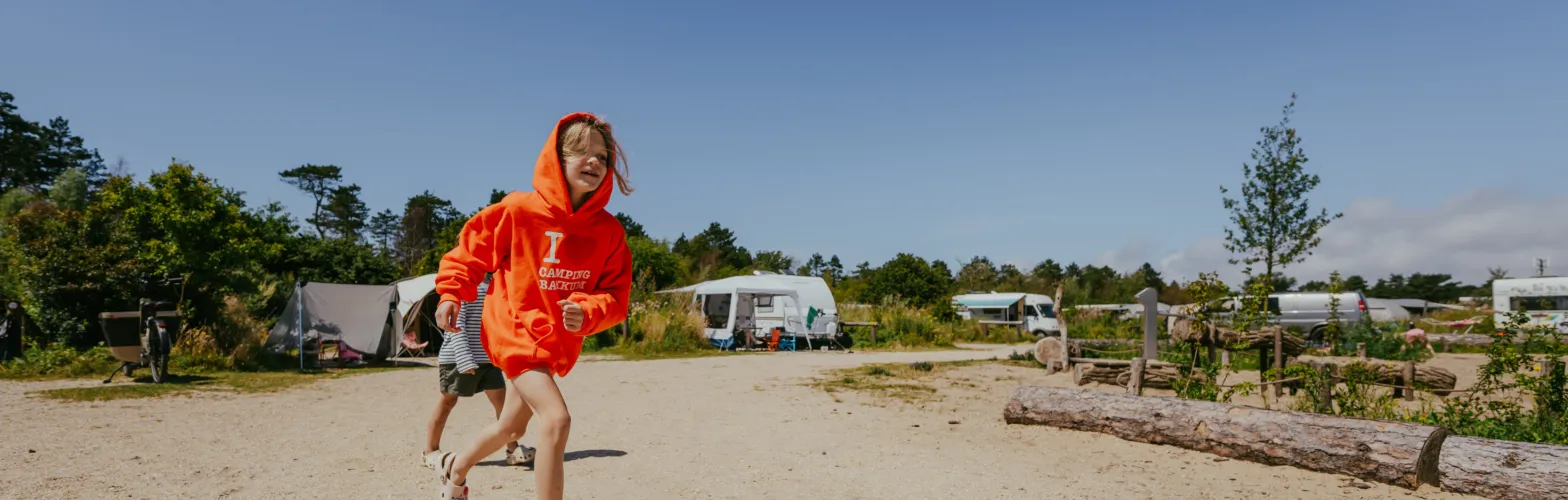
150,345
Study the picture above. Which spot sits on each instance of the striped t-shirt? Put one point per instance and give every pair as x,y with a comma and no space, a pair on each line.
467,349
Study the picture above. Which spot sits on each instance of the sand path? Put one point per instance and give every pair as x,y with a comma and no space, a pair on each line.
723,427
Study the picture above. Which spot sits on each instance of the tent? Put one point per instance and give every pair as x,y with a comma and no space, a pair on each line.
416,304
363,318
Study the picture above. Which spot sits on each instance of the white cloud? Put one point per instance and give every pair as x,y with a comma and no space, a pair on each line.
1462,236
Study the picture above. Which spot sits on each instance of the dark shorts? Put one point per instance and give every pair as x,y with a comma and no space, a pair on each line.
484,378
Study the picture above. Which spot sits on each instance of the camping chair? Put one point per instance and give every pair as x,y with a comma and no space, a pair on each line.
413,347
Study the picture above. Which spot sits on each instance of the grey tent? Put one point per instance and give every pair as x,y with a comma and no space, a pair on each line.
363,318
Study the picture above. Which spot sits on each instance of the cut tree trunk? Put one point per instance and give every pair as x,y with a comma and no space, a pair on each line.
1504,470
1186,330
1438,380
1154,377
1465,339
1388,452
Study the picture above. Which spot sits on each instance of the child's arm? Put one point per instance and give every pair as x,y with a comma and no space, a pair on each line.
481,247
463,354
606,306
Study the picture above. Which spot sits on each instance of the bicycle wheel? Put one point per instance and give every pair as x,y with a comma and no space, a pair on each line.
160,356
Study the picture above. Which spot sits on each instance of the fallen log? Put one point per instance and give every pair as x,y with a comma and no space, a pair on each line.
1153,377
1186,330
1438,380
1504,470
1467,339
1394,453
1118,362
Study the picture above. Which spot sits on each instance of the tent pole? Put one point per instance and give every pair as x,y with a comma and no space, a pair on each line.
299,322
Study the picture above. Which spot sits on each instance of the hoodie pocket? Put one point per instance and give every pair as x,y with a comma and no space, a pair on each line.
537,327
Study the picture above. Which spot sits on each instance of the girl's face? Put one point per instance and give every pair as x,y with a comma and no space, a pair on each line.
586,164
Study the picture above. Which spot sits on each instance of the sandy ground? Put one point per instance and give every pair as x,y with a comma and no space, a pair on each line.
727,427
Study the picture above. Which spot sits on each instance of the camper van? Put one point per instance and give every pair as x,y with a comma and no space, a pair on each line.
755,305
1038,314
1544,299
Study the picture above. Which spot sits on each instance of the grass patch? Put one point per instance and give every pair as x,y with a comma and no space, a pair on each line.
631,354
113,392
230,382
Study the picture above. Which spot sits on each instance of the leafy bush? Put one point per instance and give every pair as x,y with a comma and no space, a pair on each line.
1519,396
59,361
1383,341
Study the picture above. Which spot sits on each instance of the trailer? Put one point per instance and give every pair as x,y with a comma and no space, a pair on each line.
1034,310
801,306
1545,299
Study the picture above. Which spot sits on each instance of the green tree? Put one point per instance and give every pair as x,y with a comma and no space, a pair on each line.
1316,286
1355,284
653,261
425,218
337,260
344,215
1047,273
384,229
497,195
33,154
1150,278
70,190
1274,225
773,261
318,181
633,229
12,202
978,275
908,277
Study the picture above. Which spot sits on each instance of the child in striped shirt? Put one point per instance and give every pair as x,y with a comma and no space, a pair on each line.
465,369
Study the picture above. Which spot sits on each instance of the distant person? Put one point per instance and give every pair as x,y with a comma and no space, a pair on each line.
10,331
464,369
562,272
1416,336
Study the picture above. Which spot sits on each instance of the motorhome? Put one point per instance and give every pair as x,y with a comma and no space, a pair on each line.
1545,299
755,305
1038,314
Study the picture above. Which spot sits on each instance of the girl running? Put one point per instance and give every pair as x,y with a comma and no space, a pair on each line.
562,271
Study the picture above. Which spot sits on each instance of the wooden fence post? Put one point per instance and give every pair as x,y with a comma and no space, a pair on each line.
1135,382
1225,358
1410,380
1279,360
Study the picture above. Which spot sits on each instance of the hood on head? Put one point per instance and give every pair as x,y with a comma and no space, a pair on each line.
550,180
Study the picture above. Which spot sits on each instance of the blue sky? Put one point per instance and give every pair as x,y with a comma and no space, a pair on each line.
1088,132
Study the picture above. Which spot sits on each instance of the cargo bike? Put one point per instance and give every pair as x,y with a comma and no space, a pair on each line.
143,338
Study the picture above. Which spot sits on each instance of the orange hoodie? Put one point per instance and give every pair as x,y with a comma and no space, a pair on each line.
542,252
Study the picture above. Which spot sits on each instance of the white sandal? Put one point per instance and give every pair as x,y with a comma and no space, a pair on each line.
432,460
522,455
450,490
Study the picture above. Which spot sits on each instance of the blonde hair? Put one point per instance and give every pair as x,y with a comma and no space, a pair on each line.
574,140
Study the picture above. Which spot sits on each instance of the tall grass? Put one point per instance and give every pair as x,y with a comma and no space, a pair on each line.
661,326
903,326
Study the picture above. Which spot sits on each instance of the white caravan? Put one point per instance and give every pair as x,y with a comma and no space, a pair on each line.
1039,317
802,305
1544,299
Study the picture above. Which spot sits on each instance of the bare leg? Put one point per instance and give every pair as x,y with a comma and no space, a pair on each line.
438,421
498,400
535,390
538,389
